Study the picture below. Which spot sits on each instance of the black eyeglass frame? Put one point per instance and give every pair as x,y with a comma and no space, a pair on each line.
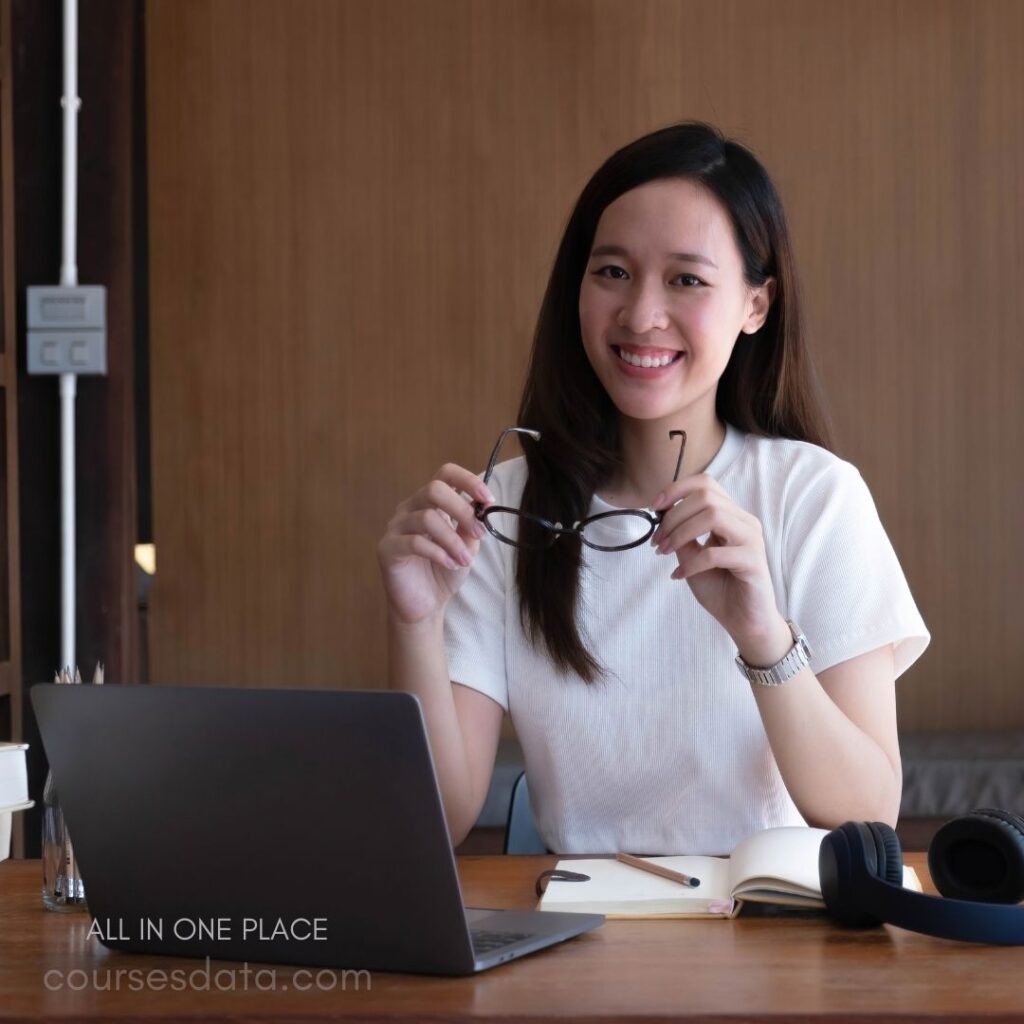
556,530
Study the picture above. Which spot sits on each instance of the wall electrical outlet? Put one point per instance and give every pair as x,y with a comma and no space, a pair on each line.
67,329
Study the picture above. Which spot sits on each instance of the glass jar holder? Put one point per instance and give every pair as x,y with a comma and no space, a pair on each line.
63,889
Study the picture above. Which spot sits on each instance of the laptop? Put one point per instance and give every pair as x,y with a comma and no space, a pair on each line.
274,826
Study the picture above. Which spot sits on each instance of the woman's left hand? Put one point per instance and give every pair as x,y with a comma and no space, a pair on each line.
728,574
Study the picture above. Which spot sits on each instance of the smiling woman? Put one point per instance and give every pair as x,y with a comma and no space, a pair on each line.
643,314
678,244
672,309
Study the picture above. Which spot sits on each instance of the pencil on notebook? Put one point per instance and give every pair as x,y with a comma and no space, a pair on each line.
657,869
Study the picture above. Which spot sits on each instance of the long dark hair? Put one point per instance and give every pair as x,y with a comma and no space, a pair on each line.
768,387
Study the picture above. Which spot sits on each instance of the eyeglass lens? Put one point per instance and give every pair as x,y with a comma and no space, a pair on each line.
619,529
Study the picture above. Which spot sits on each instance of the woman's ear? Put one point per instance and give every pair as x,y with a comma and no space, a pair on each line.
761,299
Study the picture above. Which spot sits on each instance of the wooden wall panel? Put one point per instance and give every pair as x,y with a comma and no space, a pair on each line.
354,207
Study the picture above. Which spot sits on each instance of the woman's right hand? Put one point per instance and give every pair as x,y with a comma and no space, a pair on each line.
430,543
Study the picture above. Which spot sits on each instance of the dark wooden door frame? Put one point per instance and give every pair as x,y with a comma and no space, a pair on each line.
111,252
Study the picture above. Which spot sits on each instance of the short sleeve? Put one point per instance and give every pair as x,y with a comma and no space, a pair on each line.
846,588
474,621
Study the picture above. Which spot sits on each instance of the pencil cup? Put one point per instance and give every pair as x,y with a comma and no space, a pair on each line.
63,888
62,885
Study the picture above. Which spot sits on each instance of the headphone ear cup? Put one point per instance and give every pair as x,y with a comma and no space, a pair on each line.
980,857
890,856
850,855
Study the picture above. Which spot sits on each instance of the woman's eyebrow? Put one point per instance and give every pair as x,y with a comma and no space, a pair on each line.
686,257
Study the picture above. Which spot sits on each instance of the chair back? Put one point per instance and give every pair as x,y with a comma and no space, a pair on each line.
521,835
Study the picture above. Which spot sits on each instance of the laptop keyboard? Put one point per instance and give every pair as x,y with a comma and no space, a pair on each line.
488,942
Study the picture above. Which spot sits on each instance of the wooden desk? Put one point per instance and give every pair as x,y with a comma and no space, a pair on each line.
740,970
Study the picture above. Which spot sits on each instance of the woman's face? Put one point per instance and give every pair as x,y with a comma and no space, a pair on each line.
663,300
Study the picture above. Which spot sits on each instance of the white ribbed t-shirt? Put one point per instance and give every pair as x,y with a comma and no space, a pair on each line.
666,752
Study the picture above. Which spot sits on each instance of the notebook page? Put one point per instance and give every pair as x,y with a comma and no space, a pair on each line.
783,859
615,884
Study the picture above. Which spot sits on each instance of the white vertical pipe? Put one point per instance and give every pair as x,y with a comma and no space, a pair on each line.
69,278
70,102
67,520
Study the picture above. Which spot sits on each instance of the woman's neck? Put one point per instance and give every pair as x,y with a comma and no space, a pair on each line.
649,458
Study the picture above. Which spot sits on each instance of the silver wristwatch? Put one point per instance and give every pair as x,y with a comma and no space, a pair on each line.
775,675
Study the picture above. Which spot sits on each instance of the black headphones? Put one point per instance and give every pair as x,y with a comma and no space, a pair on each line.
978,857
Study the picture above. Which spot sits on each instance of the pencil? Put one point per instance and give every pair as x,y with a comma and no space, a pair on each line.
657,869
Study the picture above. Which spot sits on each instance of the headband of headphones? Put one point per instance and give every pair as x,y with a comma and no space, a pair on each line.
977,857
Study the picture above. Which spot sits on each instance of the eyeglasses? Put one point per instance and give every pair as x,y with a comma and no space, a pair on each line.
540,886
618,530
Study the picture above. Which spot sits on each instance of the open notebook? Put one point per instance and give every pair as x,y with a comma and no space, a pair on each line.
779,865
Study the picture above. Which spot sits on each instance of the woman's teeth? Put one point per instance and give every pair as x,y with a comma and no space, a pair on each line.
647,361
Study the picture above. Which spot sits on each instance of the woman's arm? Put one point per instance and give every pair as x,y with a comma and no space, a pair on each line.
463,725
834,736
424,556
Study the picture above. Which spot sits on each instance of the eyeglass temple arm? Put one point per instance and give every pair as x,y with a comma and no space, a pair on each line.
535,434
681,434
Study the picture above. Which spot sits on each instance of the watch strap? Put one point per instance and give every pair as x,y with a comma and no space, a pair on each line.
797,658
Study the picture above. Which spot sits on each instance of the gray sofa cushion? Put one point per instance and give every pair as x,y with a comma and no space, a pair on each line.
944,774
